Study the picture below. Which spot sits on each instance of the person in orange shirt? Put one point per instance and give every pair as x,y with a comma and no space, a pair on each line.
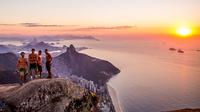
48,63
33,63
39,63
22,66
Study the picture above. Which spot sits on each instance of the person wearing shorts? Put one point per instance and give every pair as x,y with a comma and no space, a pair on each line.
22,66
33,64
48,63
39,63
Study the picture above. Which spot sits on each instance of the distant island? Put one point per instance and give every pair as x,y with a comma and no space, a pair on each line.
178,50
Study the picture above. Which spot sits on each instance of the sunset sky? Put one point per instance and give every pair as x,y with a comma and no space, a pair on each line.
124,17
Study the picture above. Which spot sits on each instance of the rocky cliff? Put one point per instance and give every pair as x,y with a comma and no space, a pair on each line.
48,95
8,61
74,63
7,68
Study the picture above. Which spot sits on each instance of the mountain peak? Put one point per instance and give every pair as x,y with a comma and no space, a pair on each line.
79,64
71,49
41,42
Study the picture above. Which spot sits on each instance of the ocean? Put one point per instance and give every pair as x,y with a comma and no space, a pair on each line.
152,77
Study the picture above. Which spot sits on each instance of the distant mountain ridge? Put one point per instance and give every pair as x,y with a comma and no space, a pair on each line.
4,49
39,45
17,37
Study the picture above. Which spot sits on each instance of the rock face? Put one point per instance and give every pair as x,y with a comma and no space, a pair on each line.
49,95
7,68
73,63
8,61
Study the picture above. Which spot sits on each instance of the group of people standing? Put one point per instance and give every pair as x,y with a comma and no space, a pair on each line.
33,66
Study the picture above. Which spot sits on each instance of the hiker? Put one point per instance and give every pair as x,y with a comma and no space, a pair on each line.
39,63
22,66
48,63
32,63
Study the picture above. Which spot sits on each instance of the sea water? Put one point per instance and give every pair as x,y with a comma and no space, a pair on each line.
152,78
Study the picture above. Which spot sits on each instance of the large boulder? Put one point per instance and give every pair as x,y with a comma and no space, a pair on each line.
49,95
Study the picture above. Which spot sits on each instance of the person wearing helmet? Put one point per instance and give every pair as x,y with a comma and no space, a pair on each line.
48,63
33,63
22,66
39,63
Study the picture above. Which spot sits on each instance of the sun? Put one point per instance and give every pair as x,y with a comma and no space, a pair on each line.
184,31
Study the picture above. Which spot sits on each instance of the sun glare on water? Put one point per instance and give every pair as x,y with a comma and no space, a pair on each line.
184,31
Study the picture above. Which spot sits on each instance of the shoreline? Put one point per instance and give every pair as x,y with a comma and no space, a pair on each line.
113,96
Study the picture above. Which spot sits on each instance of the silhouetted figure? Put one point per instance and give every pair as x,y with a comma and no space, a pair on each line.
48,63
22,66
39,63
33,63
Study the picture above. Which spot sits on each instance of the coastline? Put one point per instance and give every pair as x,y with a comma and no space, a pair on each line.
113,97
